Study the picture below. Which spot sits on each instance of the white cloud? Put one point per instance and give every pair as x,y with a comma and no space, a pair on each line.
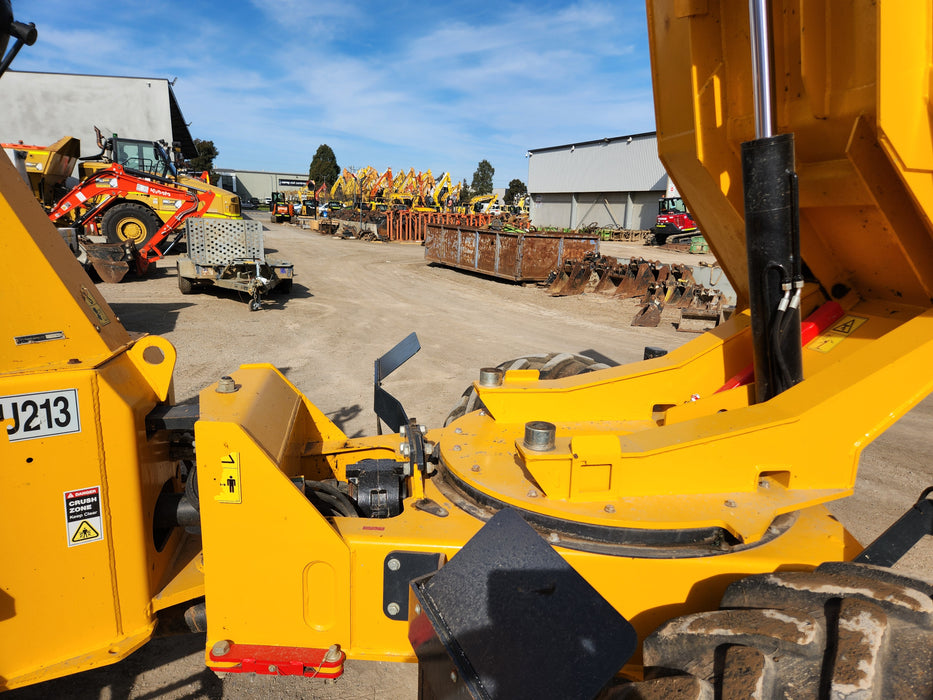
384,85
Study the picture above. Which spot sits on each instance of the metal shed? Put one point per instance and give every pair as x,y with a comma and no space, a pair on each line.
609,182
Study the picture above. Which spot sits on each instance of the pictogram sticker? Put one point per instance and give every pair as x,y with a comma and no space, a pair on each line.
830,338
83,521
85,532
230,480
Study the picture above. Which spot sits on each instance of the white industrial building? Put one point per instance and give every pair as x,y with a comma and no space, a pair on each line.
72,105
258,184
613,182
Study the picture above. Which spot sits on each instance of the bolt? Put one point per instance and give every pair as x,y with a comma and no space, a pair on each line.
417,609
423,429
457,448
403,431
393,609
729,503
394,564
475,468
539,435
405,449
532,493
273,669
226,385
764,483
610,508
221,648
458,430
453,677
333,654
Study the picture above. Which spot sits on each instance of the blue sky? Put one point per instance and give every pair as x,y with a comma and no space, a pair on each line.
400,85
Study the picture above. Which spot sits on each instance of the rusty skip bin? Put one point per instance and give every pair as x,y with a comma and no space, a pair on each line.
519,256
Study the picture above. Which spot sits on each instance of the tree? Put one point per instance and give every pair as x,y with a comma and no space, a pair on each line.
482,178
324,168
465,193
205,158
516,189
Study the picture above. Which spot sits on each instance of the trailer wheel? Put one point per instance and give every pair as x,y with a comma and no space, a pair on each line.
185,285
129,221
843,630
550,366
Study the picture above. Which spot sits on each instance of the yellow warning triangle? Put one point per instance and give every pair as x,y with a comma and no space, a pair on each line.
85,532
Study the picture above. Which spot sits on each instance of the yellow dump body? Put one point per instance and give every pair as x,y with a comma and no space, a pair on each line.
853,86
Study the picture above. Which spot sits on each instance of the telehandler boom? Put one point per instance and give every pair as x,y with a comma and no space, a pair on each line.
570,525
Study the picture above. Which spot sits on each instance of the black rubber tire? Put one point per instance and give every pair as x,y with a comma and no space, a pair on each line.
273,219
843,630
553,365
129,221
186,285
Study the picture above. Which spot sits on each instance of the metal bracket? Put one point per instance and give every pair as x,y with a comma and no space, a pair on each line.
399,569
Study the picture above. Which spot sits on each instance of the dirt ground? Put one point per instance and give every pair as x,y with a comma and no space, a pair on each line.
352,301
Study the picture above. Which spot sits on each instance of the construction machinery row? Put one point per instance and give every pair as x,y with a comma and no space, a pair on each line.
652,530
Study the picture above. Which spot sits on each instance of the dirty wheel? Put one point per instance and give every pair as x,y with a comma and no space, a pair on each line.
129,221
185,284
549,366
842,631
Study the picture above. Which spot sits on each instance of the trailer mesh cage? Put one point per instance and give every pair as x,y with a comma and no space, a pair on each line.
223,241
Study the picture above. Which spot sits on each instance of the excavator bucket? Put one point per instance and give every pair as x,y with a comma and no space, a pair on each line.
112,261
636,285
649,315
698,320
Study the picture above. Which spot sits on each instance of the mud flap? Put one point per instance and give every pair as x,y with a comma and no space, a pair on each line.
509,618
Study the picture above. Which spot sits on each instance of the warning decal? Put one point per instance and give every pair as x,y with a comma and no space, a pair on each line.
230,480
841,330
83,519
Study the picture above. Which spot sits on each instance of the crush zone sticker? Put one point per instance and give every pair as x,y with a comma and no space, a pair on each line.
83,519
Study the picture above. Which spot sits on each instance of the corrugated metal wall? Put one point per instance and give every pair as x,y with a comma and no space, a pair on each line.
613,182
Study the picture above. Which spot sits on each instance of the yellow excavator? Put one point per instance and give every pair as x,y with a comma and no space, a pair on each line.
653,530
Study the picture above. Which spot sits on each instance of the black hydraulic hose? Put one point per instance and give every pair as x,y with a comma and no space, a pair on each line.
333,497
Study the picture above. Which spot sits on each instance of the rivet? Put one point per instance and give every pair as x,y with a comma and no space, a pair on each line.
417,609
458,430
729,503
475,468
394,564
453,677
457,448
610,508
532,493
273,669
393,608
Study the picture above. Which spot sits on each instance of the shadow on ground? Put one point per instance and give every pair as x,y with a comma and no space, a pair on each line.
145,317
